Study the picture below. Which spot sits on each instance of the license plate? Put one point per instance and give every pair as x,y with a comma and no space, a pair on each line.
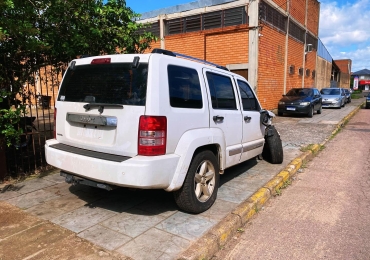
290,108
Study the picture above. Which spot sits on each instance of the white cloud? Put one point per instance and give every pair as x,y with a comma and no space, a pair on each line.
344,30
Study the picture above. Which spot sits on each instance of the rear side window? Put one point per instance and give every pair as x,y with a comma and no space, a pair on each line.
248,99
114,83
222,93
184,87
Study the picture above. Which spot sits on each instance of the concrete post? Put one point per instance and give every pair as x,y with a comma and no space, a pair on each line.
253,44
162,31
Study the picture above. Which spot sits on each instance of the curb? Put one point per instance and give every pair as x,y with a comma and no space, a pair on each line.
210,243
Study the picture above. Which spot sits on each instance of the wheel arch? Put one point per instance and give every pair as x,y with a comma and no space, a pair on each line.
191,143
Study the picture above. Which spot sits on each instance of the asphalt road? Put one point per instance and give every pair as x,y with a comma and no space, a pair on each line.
324,213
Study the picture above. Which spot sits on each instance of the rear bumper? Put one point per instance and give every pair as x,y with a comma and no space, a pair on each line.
146,172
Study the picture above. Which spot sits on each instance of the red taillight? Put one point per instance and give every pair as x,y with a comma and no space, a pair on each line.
101,61
55,123
152,135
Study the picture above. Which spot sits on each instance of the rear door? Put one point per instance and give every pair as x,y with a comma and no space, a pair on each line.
100,102
225,112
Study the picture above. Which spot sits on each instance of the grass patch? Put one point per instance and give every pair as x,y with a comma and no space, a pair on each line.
307,148
284,186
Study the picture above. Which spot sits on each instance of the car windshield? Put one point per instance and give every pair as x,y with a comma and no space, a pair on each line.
329,91
299,92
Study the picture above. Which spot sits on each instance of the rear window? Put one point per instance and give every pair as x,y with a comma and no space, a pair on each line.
114,83
328,91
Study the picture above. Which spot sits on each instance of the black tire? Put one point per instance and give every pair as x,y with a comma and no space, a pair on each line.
273,148
280,113
320,110
310,112
192,196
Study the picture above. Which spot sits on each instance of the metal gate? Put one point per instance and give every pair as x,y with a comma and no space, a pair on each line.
28,156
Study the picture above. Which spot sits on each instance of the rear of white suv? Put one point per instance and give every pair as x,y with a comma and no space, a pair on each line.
154,121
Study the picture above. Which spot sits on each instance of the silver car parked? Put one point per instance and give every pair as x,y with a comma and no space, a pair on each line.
333,97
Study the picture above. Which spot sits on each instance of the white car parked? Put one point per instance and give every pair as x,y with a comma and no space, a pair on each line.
157,121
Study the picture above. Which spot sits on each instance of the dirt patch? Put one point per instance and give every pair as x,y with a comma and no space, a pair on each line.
23,236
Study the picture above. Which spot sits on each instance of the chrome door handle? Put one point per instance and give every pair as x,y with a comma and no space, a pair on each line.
247,118
218,118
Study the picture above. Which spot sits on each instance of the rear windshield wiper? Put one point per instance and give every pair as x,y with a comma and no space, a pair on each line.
101,106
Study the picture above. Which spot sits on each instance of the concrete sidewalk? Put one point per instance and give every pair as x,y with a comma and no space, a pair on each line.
145,224
324,214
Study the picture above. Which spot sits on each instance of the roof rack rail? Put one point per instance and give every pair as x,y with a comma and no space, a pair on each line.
175,54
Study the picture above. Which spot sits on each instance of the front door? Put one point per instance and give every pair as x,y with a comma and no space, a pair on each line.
253,130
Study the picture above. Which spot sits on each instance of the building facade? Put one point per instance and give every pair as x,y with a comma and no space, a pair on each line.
344,77
273,43
361,81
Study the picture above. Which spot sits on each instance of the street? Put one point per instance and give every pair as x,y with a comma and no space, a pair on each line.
324,214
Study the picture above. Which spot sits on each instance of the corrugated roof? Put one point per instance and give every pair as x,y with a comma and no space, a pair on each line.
183,7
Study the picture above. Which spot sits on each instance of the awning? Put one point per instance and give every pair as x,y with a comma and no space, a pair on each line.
364,82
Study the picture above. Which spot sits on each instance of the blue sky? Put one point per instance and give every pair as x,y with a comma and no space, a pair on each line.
344,26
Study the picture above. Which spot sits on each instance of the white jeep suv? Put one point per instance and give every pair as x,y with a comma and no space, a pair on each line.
157,121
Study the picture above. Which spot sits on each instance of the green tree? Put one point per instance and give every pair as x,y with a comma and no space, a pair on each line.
38,33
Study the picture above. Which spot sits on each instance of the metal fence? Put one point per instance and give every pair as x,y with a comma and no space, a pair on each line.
28,155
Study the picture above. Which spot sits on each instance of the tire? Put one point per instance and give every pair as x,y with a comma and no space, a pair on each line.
192,197
273,148
310,113
280,113
320,110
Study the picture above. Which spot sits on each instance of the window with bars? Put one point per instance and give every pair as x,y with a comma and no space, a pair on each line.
206,21
296,31
175,26
235,16
311,40
272,16
212,20
152,28
193,23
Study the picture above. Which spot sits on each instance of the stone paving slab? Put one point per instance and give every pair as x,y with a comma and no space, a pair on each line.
146,224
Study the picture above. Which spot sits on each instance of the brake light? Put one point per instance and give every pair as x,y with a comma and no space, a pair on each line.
55,123
101,61
152,135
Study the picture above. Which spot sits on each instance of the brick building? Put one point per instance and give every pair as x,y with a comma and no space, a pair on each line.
273,43
344,77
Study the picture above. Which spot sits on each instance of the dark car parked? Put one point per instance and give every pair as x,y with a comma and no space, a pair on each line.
300,101
368,101
348,95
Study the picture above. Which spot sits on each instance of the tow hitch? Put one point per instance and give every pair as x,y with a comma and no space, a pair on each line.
78,180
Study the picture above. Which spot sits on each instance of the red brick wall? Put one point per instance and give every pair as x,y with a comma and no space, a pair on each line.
271,67
221,46
227,48
191,44
153,45
313,16
297,10
295,58
281,3
310,63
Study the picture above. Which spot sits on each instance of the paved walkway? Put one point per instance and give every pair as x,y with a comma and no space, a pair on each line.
145,224
324,214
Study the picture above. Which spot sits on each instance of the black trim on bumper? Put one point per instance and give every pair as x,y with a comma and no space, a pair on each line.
88,153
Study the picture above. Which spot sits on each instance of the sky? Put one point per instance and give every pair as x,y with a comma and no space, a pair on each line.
344,27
